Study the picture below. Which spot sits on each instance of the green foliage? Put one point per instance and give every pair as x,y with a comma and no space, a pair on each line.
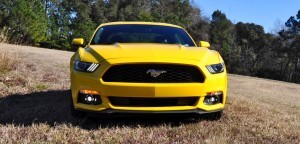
41,87
26,21
81,23
252,39
245,47
58,26
293,25
54,23
221,37
290,40
145,16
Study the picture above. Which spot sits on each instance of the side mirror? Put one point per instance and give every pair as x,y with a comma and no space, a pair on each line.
204,44
78,42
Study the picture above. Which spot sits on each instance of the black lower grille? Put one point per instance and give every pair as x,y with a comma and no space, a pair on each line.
153,73
152,102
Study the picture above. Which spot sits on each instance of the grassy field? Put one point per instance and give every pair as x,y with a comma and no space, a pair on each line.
34,108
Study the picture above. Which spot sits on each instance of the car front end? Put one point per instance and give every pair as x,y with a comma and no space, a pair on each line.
147,78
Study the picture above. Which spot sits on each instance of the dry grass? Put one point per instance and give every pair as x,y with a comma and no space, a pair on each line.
34,108
9,61
3,35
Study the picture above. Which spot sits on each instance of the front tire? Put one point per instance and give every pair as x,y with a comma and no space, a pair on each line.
75,113
214,116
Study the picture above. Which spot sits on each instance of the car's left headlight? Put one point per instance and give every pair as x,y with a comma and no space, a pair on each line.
85,66
216,68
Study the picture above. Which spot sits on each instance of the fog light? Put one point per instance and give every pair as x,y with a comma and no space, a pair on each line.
213,98
89,97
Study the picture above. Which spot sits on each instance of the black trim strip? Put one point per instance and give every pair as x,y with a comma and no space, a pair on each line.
114,111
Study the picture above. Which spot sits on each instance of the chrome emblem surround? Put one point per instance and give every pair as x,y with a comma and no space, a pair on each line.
155,73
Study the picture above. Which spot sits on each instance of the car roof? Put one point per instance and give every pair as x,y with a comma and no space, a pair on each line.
140,23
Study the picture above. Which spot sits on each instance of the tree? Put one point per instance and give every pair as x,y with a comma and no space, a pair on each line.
254,46
222,38
25,21
291,47
81,24
58,32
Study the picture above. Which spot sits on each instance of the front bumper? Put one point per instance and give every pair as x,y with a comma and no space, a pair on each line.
113,111
118,113
93,81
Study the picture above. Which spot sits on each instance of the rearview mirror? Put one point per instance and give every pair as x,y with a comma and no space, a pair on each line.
78,42
204,44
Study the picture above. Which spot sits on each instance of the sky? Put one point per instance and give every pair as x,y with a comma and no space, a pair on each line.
267,13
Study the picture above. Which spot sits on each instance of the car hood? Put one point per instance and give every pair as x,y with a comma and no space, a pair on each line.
105,52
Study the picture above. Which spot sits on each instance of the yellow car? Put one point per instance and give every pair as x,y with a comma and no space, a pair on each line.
146,67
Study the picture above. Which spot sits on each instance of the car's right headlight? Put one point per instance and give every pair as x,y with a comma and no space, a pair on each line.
85,66
216,68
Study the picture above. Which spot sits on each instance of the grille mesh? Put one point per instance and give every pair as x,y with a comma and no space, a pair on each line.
141,73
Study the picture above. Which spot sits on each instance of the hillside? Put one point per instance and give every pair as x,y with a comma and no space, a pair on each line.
34,108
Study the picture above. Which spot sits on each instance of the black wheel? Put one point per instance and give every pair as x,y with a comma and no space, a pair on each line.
74,112
214,116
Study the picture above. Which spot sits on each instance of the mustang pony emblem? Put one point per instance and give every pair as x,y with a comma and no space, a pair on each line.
155,73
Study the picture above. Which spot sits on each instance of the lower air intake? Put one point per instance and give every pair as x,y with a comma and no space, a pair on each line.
152,102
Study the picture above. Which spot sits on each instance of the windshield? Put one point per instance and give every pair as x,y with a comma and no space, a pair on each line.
141,34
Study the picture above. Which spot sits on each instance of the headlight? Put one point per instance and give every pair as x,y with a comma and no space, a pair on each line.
85,66
216,68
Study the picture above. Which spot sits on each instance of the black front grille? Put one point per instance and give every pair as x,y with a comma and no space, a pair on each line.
152,102
146,73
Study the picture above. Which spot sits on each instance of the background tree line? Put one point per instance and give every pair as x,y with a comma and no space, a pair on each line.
246,48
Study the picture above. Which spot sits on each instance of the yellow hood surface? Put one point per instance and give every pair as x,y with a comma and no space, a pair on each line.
98,53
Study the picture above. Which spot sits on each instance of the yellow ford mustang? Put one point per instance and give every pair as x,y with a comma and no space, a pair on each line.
145,67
